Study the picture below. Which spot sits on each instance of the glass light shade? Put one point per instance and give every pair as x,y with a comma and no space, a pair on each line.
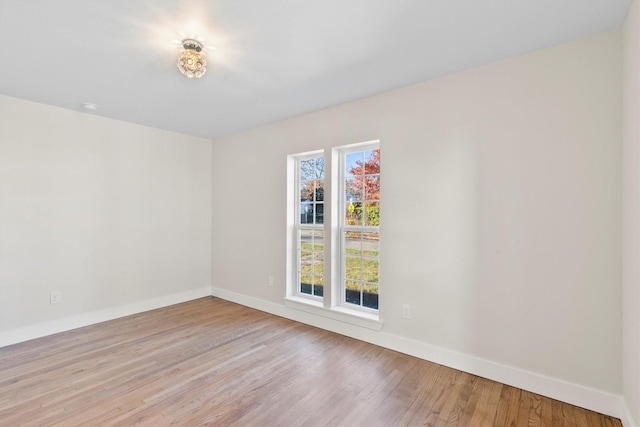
192,62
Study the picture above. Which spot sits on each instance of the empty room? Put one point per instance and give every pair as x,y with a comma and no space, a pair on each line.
320,213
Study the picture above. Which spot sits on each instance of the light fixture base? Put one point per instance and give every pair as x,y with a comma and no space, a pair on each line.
192,44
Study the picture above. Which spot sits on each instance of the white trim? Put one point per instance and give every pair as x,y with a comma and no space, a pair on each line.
26,333
339,313
585,397
625,415
359,146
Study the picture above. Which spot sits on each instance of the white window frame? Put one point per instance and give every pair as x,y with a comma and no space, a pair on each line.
329,305
299,226
341,154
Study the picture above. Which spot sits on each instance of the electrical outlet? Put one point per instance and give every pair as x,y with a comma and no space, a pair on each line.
270,281
406,311
55,297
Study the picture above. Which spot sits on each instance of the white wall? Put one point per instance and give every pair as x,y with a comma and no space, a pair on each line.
501,215
115,216
631,177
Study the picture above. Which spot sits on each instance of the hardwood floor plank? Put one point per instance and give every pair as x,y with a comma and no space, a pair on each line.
483,404
210,362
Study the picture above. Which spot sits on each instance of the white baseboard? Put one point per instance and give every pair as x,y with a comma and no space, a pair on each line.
626,418
575,394
26,333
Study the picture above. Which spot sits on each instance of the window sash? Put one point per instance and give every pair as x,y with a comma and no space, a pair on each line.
310,262
357,270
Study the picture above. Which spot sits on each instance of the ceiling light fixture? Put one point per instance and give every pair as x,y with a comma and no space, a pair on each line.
192,62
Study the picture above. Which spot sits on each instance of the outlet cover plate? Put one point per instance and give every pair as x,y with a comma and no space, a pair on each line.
406,311
55,297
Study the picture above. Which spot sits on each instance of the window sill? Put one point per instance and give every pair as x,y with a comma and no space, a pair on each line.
342,314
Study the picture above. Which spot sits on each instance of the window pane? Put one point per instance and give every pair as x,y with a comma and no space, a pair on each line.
306,282
372,161
353,214
352,195
318,289
307,169
353,268
318,241
371,244
352,292
353,163
319,168
372,214
353,241
370,268
306,212
319,213
370,296
353,188
306,256
306,190
372,187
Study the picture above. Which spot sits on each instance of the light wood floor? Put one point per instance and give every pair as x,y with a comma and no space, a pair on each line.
211,362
